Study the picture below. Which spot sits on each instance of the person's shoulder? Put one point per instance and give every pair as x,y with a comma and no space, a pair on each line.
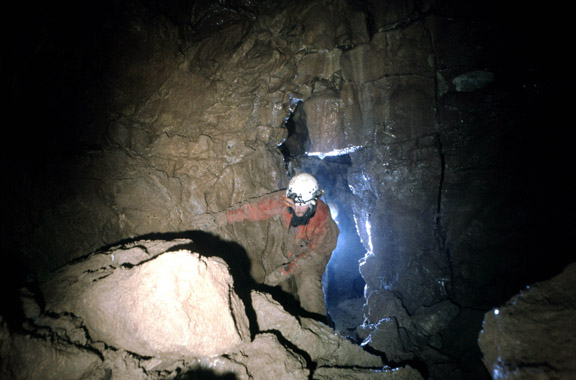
322,208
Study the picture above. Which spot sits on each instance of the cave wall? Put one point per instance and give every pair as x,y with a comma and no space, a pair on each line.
141,117
447,199
167,128
146,120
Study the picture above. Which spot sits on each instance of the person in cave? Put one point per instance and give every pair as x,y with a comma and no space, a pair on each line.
310,236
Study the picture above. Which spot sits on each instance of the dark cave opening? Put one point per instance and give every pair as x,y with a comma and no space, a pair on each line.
343,283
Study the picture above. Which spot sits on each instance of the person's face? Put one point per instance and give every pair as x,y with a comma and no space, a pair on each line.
300,210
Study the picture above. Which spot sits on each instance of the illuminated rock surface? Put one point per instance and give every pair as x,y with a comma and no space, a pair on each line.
152,310
177,303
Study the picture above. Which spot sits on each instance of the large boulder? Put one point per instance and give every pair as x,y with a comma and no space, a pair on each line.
173,304
533,336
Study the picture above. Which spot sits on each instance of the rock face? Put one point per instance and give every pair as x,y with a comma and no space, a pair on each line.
533,335
26,357
152,310
177,303
330,351
134,118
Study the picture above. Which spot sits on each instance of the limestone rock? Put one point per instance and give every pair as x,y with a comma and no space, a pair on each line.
387,336
151,310
313,337
473,80
177,303
533,336
266,358
323,117
322,64
334,357
28,358
327,373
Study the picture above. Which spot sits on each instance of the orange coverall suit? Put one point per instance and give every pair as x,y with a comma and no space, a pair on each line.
307,248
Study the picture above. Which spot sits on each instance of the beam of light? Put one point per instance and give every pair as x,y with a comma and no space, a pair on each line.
334,212
335,152
501,371
369,233
367,242
293,104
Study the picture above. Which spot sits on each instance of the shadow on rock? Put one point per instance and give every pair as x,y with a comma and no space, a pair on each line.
291,304
20,291
204,374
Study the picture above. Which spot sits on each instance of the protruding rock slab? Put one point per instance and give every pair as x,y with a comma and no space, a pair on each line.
176,304
533,336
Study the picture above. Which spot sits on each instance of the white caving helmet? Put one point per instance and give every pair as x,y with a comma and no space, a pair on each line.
303,189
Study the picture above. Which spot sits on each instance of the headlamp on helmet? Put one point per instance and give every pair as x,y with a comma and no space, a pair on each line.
303,189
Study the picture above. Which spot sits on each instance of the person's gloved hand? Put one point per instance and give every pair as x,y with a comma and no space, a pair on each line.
280,274
273,278
287,269
289,202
